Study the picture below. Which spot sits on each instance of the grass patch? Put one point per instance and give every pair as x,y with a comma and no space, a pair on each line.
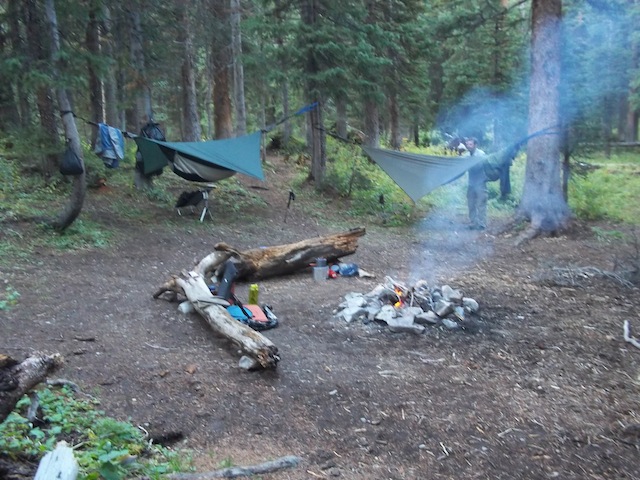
81,235
9,298
608,192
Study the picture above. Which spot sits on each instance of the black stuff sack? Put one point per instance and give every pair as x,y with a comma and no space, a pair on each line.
71,163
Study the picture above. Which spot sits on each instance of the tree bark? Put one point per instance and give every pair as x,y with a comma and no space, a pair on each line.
371,124
542,200
394,122
110,83
139,83
238,69
18,378
222,60
78,193
316,133
92,41
40,51
190,118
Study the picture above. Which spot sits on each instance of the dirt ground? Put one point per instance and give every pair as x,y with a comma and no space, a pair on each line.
541,385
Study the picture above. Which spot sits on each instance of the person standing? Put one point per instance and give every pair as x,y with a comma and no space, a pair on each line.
477,194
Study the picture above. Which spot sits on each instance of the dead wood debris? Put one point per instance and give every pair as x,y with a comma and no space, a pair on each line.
627,335
575,276
235,472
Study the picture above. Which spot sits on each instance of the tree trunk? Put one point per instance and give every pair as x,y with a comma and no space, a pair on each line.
633,112
190,118
141,113
92,41
238,69
222,61
110,84
318,144
139,84
15,12
316,133
341,117
76,201
39,52
542,200
9,116
394,122
18,378
287,128
371,124
209,95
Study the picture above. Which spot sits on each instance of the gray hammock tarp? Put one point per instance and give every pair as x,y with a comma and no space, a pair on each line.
208,161
418,174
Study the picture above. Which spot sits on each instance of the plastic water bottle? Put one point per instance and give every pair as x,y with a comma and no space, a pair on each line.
253,294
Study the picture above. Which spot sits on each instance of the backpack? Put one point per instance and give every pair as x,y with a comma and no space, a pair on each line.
71,163
150,130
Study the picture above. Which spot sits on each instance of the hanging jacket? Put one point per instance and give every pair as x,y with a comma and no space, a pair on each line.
109,145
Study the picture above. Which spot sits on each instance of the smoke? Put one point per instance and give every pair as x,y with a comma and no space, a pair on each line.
597,73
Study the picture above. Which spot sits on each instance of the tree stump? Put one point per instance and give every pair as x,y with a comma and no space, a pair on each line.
17,378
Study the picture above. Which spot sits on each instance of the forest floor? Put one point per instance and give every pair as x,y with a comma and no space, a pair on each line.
543,385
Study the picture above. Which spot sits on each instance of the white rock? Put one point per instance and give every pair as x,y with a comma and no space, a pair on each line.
186,307
427,318
386,313
404,324
450,324
470,305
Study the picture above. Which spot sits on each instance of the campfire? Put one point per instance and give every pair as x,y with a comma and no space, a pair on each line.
409,309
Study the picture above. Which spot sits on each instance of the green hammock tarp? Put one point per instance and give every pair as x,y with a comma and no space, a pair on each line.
204,161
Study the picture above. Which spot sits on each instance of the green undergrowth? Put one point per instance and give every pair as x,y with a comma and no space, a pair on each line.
105,448
609,190
26,197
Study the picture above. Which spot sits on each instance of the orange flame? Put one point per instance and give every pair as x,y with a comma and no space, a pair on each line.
399,294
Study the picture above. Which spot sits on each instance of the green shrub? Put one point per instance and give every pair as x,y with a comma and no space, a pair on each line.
104,447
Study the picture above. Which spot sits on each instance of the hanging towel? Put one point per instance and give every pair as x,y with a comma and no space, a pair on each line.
109,145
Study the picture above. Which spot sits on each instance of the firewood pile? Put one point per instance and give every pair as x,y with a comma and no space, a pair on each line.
409,309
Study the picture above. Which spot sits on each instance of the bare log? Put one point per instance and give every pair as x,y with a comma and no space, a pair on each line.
255,263
264,262
17,378
252,343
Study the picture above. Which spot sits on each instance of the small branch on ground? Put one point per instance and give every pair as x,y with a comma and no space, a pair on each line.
234,472
572,276
627,335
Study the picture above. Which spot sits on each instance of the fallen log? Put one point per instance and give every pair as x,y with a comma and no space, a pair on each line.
265,262
251,342
17,378
256,263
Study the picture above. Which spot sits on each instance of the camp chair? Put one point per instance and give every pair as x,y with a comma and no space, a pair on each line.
194,198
